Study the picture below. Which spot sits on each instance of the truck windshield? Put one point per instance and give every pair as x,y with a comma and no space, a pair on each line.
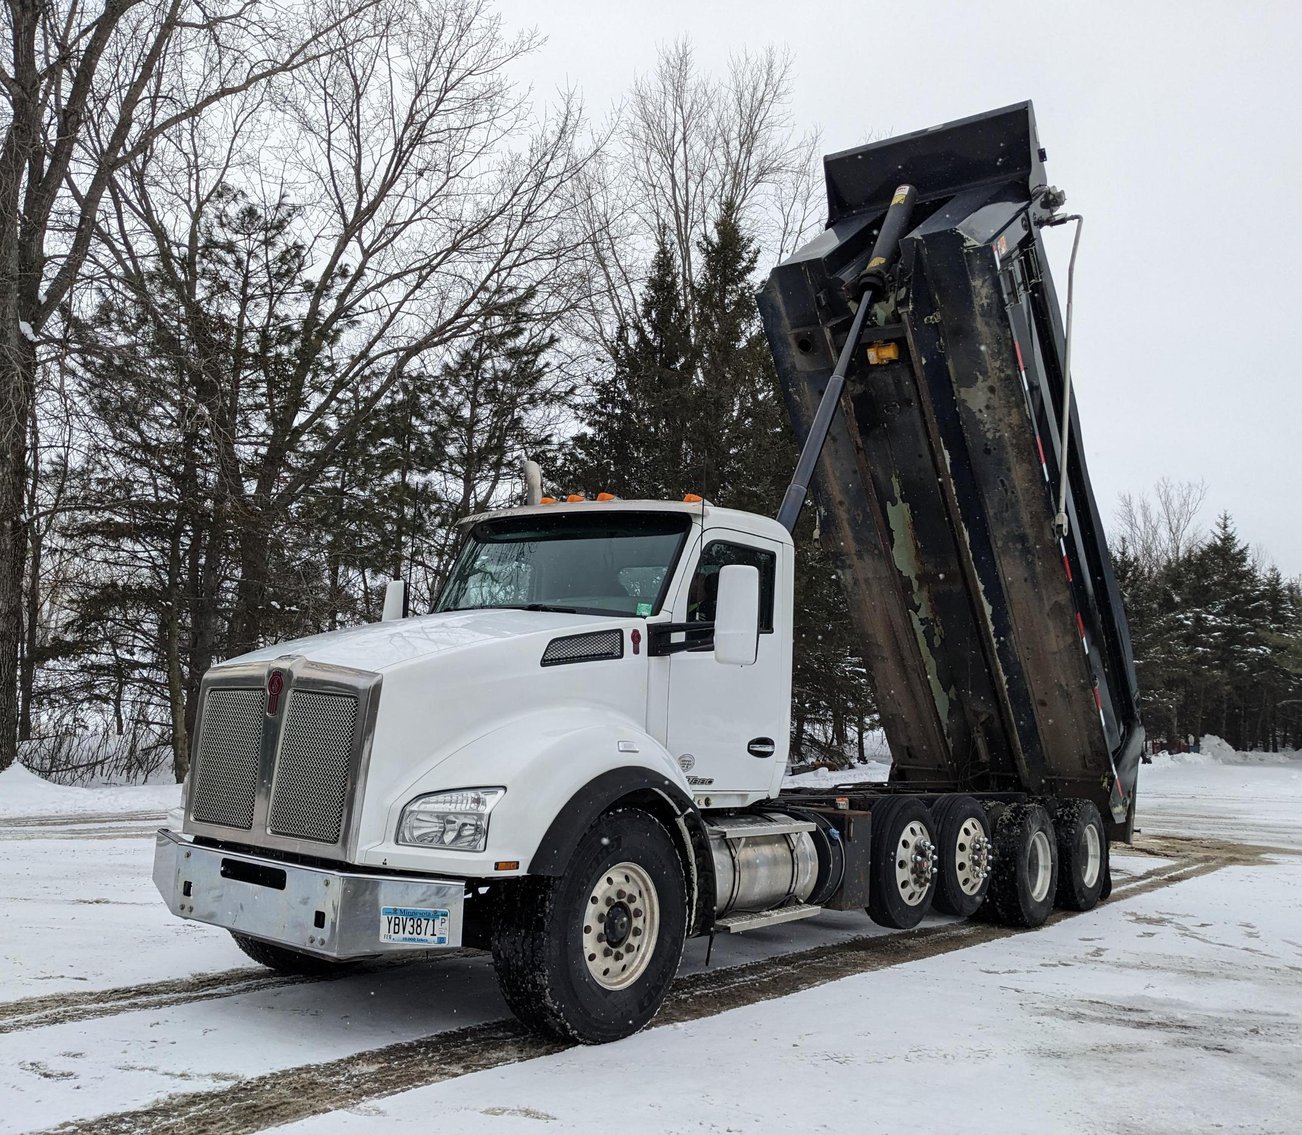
599,564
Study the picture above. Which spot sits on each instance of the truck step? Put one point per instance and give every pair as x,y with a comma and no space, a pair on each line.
741,827
754,920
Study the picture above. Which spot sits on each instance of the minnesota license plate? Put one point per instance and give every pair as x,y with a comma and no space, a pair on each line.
413,927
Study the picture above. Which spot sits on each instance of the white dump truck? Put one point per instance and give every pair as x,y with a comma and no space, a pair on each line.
576,760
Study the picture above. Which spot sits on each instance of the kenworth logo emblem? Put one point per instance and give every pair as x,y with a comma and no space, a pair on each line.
275,684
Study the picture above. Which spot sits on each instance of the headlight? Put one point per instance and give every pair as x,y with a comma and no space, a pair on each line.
456,820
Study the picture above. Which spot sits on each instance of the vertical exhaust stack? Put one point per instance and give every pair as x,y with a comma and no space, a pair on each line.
532,482
395,601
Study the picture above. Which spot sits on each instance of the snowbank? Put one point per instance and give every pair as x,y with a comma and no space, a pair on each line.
873,771
23,793
1214,751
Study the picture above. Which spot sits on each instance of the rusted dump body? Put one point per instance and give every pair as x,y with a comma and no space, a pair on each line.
999,653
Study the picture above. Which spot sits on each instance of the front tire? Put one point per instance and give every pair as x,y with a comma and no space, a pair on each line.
589,955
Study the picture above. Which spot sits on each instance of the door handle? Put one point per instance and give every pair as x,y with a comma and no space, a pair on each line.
761,747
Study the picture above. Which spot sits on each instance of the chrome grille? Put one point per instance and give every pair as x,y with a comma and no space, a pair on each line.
316,751
594,646
226,766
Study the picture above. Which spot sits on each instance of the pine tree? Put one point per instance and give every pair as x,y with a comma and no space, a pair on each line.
675,414
638,417
440,447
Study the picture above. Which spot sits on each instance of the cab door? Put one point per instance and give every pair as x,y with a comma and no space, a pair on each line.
731,724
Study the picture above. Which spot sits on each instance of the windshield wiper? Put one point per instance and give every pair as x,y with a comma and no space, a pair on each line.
549,607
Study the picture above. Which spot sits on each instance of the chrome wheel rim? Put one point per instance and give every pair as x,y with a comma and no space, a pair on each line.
971,856
621,922
1093,856
915,862
1039,866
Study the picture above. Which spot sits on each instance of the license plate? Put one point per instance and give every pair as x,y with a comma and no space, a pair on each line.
413,927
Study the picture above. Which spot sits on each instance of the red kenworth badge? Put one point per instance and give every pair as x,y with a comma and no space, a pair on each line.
275,683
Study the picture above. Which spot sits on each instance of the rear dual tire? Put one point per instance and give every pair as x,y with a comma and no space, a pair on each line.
963,839
902,871
1082,855
1024,875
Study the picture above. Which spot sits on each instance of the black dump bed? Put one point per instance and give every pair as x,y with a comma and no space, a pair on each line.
998,651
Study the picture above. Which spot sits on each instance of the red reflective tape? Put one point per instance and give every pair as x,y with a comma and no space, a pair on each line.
1067,564
1018,348
1098,699
1080,623
1040,446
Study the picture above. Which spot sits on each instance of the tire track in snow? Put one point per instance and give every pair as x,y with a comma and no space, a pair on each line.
91,825
61,1008
293,1094
64,1008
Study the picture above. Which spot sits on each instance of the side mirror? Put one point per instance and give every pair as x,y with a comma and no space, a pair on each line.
736,616
395,601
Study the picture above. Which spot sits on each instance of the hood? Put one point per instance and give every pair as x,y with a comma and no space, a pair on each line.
382,646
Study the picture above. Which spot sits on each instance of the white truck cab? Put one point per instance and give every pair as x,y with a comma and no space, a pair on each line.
351,791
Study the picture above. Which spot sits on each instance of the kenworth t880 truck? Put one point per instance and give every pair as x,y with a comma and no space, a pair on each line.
576,760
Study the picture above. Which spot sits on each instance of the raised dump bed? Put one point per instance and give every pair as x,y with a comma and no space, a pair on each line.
996,642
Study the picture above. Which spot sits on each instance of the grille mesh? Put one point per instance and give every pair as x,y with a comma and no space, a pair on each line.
226,773
595,646
316,749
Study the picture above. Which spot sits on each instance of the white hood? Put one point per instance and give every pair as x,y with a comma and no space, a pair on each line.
381,646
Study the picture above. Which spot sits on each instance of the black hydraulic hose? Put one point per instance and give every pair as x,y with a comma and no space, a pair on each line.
870,282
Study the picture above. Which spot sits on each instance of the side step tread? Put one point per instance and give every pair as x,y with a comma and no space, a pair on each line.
743,827
754,920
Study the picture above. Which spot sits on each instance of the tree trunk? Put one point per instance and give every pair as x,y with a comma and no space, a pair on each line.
251,593
27,664
17,381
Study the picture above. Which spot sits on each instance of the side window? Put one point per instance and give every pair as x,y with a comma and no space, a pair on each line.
704,588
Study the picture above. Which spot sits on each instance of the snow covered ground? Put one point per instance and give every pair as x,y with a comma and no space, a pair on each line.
1176,1006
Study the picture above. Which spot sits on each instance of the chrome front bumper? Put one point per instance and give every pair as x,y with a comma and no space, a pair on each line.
333,913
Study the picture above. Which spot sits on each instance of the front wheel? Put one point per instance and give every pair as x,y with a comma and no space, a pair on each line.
589,956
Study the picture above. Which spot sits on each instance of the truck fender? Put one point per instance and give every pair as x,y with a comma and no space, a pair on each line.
636,787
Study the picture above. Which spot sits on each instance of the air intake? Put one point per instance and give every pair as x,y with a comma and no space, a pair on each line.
595,646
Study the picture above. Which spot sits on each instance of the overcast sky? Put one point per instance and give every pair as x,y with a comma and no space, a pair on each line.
1174,128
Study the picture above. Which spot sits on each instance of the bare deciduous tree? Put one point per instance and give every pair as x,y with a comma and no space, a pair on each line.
686,144
381,206
90,88
1162,531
